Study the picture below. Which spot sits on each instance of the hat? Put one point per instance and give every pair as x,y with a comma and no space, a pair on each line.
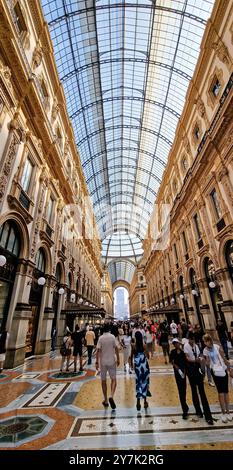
176,340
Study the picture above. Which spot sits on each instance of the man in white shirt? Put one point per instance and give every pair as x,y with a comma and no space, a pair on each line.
107,352
173,329
196,378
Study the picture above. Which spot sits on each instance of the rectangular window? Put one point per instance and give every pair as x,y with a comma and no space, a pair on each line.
176,254
19,19
197,226
27,174
216,204
50,210
185,242
143,299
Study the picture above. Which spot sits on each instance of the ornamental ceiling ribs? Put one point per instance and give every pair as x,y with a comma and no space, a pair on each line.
125,69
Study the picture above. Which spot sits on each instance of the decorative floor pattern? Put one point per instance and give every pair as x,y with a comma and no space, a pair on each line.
41,408
27,376
20,428
48,396
143,424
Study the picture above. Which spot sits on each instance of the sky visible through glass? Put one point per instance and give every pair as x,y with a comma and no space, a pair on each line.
125,68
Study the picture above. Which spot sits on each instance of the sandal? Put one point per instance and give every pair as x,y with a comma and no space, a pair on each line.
105,404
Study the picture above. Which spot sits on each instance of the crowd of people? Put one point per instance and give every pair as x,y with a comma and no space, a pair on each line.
193,355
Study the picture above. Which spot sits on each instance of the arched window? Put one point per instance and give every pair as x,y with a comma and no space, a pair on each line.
40,260
69,281
229,257
9,238
58,273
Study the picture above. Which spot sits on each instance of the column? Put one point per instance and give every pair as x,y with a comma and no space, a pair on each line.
19,314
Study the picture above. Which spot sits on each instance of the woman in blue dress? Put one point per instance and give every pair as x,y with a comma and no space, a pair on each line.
142,370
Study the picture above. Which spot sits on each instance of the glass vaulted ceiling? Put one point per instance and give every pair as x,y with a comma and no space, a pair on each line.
125,68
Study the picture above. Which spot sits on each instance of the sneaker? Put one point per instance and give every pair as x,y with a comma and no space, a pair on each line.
229,416
211,384
224,418
210,421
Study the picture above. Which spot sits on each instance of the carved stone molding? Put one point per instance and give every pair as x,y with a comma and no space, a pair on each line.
37,56
7,167
222,52
55,110
201,109
186,144
15,205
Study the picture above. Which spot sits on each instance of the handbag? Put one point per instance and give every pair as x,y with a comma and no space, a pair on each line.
218,371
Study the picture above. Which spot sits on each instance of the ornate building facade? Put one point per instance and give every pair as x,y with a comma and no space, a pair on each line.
47,227
189,259
107,293
138,293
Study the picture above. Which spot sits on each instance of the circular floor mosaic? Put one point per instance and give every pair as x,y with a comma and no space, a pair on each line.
67,375
19,428
3,376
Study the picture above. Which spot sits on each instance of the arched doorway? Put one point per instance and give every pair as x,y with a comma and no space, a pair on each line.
10,246
196,297
121,303
214,290
35,298
229,257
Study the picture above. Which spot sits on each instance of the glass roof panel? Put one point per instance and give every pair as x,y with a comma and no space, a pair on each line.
125,68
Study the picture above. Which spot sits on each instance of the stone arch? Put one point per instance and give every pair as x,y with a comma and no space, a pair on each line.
120,284
222,249
23,231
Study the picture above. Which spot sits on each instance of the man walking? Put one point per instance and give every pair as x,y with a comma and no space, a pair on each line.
178,360
107,358
196,378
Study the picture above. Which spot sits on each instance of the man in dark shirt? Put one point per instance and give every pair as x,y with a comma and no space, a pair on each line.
178,360
77,338
163,340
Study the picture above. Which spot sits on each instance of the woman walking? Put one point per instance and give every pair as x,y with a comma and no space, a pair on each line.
126,345
142,371
65,351
215,359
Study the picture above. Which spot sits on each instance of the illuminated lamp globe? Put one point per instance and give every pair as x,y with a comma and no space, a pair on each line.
61,291
41,281
2,260
212,284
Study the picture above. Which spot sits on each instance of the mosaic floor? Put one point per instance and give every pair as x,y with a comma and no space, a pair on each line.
41,408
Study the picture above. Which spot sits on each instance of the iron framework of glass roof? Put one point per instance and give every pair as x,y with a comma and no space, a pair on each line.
125,68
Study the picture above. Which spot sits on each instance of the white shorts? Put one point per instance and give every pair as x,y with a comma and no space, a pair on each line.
2,357
110,369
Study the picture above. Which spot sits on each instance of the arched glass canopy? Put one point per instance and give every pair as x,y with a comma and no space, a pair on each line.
125,68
